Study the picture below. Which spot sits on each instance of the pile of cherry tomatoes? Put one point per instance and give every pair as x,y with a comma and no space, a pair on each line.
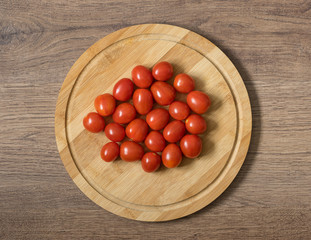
157,132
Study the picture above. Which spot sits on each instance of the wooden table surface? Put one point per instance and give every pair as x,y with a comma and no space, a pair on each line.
268,41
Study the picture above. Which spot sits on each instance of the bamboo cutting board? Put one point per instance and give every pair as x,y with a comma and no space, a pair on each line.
124,188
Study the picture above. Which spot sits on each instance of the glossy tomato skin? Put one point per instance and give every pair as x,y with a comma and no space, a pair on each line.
150,162
131,151
183,83
179,110
137,130
171,156
110,152
158,118
163,93
155,141
162,71
191,146
105,104
123,89
142,76
93,122
195,124
198,101
143,101
115,132
174,131
124,113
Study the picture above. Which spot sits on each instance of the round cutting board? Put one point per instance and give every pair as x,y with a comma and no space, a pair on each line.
122,187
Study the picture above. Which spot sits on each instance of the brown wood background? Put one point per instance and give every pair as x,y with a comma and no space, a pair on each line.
268,41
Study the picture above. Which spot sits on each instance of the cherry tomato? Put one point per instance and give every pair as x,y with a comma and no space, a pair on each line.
157,118
131,151
155,141
163,93
191,146
171,156
179,110
123,89
105,104
142,76
115,132
198,101
150,162
137,130
93,122
124,113
183,83
195,124
174,131
162,71
143,101
110,152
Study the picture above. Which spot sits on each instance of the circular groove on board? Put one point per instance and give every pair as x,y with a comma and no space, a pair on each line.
130,204
159,211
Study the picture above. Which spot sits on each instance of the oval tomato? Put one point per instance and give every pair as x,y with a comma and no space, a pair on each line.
143,101
155,141
124,113
115,132
162,71
150,162
163,93
131,151
142,76
157,118
171,156
195,124
123,89
179,110
174,131
191,146
105,104
137,130
198,101
110,152
183,83
93,122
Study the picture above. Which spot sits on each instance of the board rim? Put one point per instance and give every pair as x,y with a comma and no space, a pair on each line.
158,214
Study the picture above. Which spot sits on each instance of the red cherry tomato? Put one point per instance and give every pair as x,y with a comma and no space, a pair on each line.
143,101
115,132
142,76
110,152
137,130
155,141
150,162
163,93
195,124
183,83
191,146
157,118
124,113
162,71
174,131
123,89
171,156
105,104
93,122
179,110
198,101
131,151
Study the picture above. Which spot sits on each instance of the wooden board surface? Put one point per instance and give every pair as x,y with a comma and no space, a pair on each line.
124,188
268,42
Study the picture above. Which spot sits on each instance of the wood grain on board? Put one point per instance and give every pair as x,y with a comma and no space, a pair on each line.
124,188
268,42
